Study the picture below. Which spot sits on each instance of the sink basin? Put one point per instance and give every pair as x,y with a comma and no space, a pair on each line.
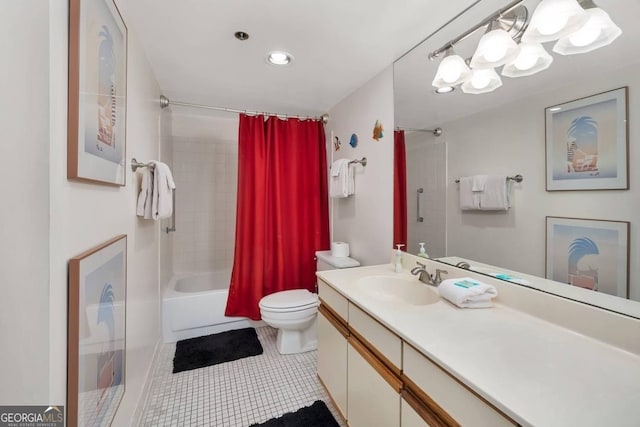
398,289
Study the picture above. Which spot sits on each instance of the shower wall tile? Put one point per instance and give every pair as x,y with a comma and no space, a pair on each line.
206,180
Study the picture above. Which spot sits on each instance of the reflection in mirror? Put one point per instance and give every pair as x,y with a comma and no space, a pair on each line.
503,133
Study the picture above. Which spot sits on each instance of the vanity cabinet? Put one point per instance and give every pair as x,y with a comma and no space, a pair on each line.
373,374
444,397
332,345
373,390
413,413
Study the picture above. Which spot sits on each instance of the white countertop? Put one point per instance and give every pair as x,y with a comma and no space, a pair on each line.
538,373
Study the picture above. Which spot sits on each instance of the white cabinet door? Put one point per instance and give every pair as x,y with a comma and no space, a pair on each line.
410,418
371,400
332,361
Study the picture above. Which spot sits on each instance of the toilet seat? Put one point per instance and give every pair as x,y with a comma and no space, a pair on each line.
289,301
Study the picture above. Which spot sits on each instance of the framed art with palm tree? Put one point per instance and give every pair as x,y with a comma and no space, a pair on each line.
96,333
587,143
588,253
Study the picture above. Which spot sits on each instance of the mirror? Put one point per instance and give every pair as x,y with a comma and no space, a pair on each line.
503,133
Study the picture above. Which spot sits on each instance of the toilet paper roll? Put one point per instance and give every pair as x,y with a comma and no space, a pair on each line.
339,249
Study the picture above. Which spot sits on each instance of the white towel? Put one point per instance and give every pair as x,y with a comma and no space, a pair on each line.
467,292
342,181
145,197
163,185
469,199
479,182
495,196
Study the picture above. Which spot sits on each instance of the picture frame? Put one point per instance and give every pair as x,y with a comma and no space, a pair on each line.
96,124
96,333
588,253
586,143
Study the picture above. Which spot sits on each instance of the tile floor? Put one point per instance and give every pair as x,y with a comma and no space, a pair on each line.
234,394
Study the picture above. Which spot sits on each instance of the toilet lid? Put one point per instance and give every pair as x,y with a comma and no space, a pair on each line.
296,298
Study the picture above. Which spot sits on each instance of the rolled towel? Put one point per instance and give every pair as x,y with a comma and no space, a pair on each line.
466,292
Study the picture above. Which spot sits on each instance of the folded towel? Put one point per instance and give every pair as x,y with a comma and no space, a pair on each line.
163,185
145,197
495,196
467,292
342,182
479,182
469,199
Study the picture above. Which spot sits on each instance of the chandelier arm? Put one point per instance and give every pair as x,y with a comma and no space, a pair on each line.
497,14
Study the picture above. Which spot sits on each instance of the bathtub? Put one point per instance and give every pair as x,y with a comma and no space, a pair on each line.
193,305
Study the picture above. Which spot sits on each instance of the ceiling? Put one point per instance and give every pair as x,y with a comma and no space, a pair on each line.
338,46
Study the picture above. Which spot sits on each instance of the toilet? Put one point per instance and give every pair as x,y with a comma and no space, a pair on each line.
294,312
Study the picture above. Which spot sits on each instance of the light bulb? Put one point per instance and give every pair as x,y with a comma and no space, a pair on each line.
480,80
525,61
279,58
495,54
586,35
552,25
450,71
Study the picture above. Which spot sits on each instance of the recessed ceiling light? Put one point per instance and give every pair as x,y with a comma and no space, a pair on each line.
279,58
445,89
241,35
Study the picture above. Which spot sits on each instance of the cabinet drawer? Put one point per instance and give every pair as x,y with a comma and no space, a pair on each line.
334,300
381,341
460,403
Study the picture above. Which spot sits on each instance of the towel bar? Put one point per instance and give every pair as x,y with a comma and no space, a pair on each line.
173,214
517,178
136,164
362,161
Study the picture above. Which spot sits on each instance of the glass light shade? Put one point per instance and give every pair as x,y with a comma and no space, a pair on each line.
599,31
554,19
495,48
451,71
482,81
531,59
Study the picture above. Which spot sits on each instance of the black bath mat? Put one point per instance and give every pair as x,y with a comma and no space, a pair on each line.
210,350
316,415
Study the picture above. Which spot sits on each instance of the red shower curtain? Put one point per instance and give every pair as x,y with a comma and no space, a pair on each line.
399,189
282,209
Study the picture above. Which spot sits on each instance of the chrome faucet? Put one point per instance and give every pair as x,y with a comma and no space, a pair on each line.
423,275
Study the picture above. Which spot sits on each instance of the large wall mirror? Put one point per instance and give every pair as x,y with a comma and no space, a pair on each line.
503,133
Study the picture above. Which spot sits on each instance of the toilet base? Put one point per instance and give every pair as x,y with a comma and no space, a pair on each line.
291,341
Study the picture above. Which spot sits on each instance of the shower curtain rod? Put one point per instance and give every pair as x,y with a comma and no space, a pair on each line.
165,102
436,131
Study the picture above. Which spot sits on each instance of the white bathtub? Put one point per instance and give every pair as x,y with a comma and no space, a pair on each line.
193,305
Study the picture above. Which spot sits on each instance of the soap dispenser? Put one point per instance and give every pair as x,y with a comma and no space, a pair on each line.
422,252
398,259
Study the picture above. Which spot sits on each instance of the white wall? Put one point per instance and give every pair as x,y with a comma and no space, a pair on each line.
83,215
365,220
24,234
205,153
511,140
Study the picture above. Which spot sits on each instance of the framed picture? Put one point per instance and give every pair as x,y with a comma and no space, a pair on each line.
96,333
586,143
97,93
588,253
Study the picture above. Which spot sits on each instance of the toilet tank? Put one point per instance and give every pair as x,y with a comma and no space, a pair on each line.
325,261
